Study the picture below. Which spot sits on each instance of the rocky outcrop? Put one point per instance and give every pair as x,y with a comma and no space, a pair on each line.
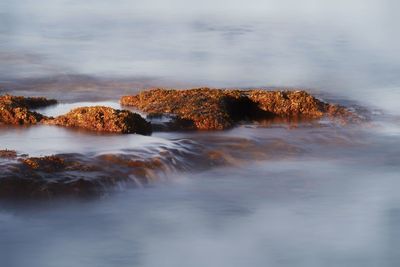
288,103
216,109
26,102
202,107
104,119
8,154
16,109
19,115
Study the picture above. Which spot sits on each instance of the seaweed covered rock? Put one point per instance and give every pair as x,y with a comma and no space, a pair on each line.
288,103
16,109
203,107
216,109
19,115
26,102
8,154
105,119
296,104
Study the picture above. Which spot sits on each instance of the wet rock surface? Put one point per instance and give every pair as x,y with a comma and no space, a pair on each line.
16,109
19,116
26,102
203,107
217,109
104,119
8,154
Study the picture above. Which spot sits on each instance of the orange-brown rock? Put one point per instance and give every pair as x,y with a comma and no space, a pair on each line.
204,107
26,102
105,119
16,109
297,104
8,154
288,103
216,109
19,115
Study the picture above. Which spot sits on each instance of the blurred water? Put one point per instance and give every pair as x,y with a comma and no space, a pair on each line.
291,213
348,48
313,194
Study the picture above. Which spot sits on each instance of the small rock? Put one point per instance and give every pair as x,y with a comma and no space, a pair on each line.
19,115
15,109
103,119
8,154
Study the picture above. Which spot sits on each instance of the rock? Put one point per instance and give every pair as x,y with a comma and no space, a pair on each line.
8,154
288,103
201,106
15,109
26,102
217,109
103,119
298,104
45,164
19,115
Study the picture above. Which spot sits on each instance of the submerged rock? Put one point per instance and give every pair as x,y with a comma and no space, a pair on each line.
46,164
88,175
103,119
48,177
75,175
217,109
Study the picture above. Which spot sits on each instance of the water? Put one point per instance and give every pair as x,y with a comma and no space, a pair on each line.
307,194
347,48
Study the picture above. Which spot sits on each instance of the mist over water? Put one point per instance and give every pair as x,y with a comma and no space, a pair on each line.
301,194
348,48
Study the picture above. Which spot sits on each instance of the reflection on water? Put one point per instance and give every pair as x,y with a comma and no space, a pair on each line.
305,194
